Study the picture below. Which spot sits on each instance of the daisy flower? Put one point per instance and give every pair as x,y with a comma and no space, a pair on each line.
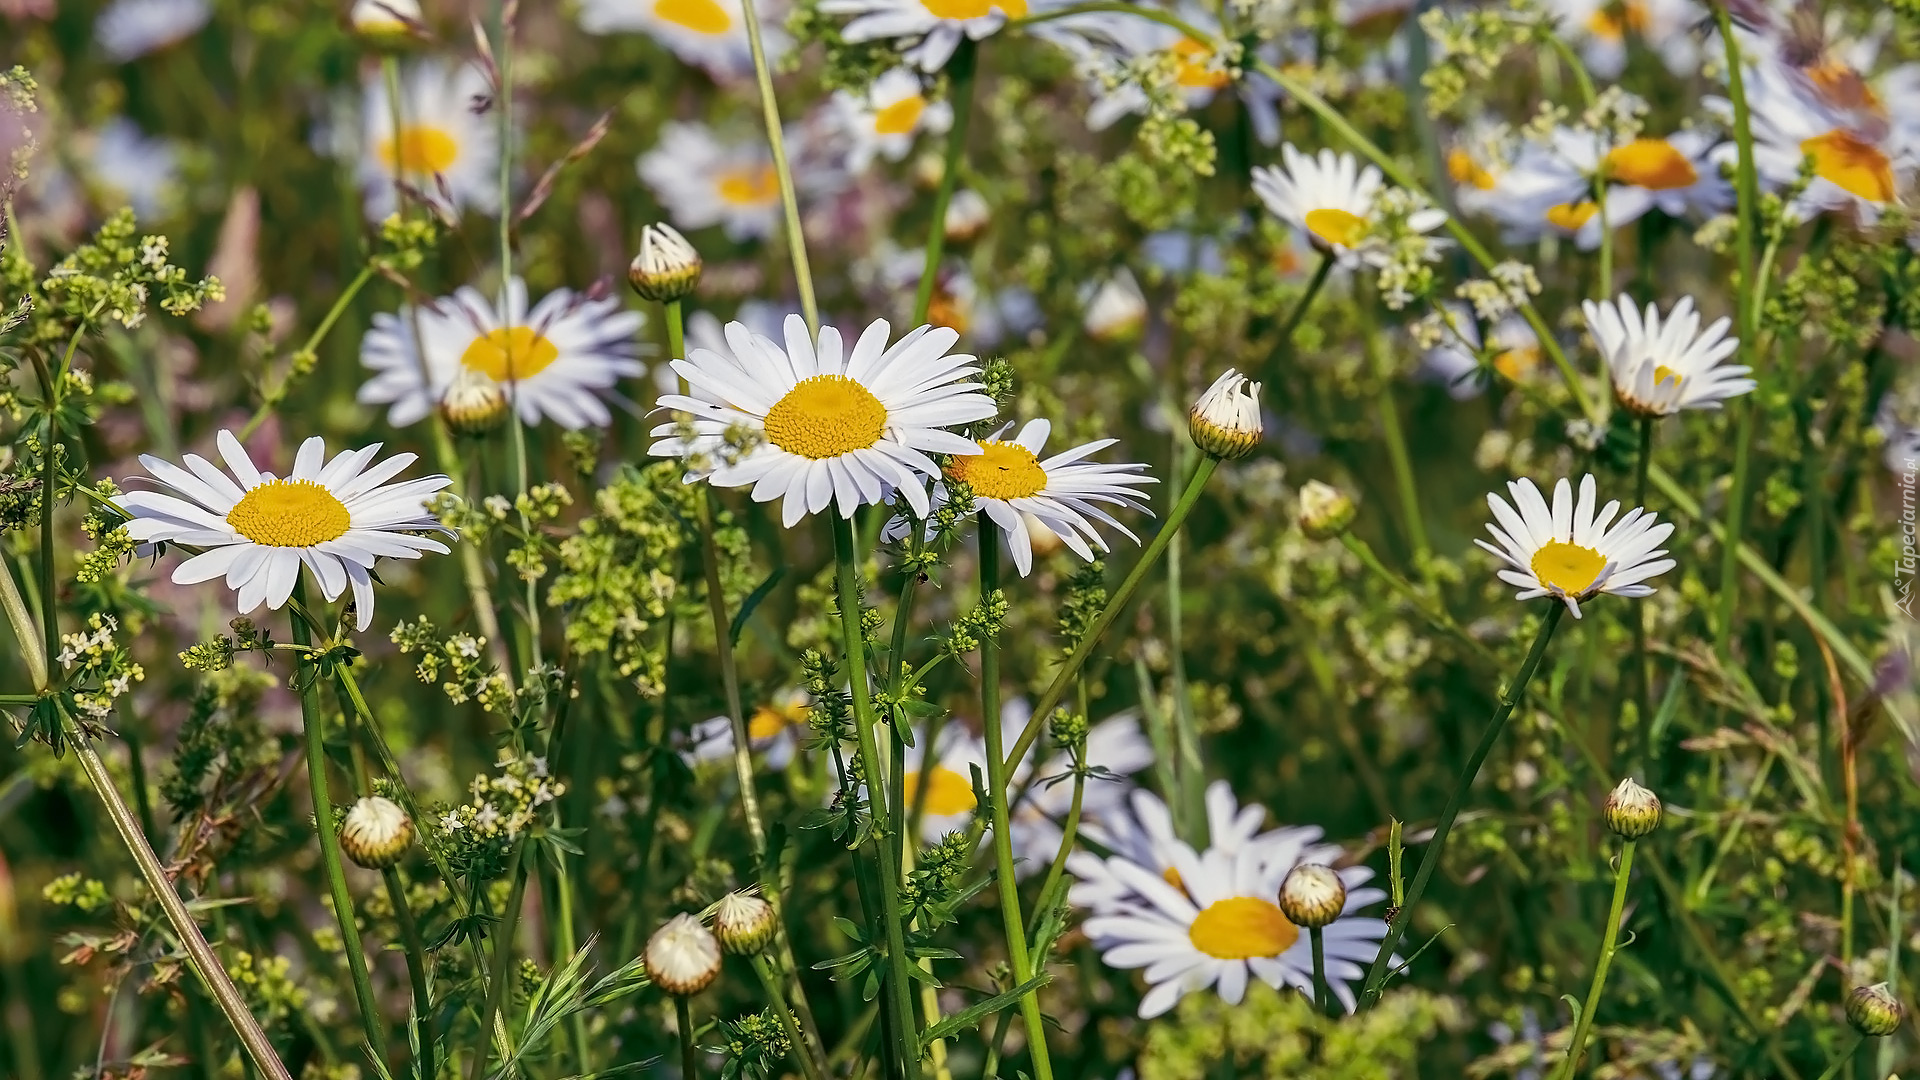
333,516
1600,29
932,27
1331,198
709,34
553,361
884,120
1455,363
1140,830
1860,163
832,427
774,732
1549,188
1570,553
1109,47
1661,367
440,141
1009,479
130,29
1220,927
703,181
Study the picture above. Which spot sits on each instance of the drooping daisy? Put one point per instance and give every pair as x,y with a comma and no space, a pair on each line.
130,29
1141,830
1455,363
1009,479
125,164
710,34
1660,367
774,731
1331,198
1221,926
335,517
1570,553
441,142
1601,29
834,427
884,120
553,361
934,27
703,181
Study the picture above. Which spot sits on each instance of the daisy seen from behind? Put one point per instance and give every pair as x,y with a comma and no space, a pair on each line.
830,426
1009,480
554,360
884,121
335,517
1661,366
930,29
709,34
1570,552
1331,198
440,140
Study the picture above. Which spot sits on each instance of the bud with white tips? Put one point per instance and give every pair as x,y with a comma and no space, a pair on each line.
1116,311
682,957
1325,510
1632,811
1312,896
387,24
743,922
667,268
1874,1011
968,215
376,832
1225,422
473,404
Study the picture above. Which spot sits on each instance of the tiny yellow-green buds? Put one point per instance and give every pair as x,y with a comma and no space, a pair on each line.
968,215
743,922
1632,811
1225,422
667,268
1325,510
682,957
474,404
1872,1010
386,24
1312,895
376,832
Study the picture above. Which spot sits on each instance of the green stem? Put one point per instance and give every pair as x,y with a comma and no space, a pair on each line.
565,942
502,957
1840,1063
416,955
777,142
898,981
1320,992
315,724
689,1057
1642,670
1608,945
997,783
960,82
271,401
770,982
25,633
1747,191
1055,879
1430,859
1403,478
1301,305
1104,622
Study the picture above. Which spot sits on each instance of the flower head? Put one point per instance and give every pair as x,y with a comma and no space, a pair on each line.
1874,1011
930,30
387,24
1325,510
1568,551
682,957
1660,367
884,120
709,34
1312,895
1010,480
667,267
1632,811
743,922
1331,199
1225,422
442,150
376,832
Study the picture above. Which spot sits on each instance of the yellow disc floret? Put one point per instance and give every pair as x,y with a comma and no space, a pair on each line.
826,416
290,513
1005,470
519,352
1242,927
1570,568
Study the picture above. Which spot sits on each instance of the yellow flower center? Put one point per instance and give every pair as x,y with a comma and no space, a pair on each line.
1517,364
1851,164
1568,567
1004,471
290,513
1337,227
1193,66
1840,85
699,16
1611,22
973,9
1242,927
1651,163
1570,216
768,721
749,187
826,416
1661,373
1464,170
901,117
948,792
518,352
420,150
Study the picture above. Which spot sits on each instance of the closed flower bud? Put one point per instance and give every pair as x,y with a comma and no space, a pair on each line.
1225,422
474,404
667,268
1632,811
1116,310
682,957
386,24
743,922
968,215
1312,896
1873,1011
376,832
1325,511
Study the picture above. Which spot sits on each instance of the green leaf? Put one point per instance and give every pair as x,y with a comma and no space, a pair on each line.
752,601
980,1010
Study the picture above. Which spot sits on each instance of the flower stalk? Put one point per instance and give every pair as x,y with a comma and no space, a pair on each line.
1609,944
783,170
1747,196
960,71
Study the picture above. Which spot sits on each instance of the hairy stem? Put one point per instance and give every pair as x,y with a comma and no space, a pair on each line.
1609,943
25,633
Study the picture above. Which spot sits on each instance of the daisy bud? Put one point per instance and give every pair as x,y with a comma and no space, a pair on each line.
1632,811
1312,896
743,922
1873,1011
376,832
473,404
682,957
386,25
667,268
1116,311
968,215
1325,511
1225,422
